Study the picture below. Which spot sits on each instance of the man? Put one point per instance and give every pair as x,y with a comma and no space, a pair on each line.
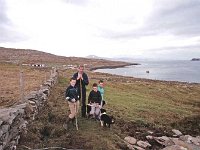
81,83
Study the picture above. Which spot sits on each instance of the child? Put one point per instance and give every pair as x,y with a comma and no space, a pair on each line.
94,99
101,90
71,95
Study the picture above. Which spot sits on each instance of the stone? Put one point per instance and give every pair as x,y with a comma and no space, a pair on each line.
190,139
138,148
32,95
185,145
150,132
186,138
149,137
130,140
164,140
11,118
1,122
177,132
1,133
130,147
174,147
5,128
143,144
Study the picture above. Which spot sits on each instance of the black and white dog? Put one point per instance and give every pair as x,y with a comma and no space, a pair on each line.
105,119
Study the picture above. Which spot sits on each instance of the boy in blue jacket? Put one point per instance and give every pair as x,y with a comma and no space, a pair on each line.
72,97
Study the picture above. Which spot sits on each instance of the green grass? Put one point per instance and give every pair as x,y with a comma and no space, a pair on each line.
154,103
159,104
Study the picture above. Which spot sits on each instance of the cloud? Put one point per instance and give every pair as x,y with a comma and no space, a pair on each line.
7,32
77,2
104,28
179,18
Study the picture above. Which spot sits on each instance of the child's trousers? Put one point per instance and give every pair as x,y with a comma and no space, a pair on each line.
73,108
95,109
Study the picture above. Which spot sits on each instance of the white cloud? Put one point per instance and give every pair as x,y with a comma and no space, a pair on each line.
105,28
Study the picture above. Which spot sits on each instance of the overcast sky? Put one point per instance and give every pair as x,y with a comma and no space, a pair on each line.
167,29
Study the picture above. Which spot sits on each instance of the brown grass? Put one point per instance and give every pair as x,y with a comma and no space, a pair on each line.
10,81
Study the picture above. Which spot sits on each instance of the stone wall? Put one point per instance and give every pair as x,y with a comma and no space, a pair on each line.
14,120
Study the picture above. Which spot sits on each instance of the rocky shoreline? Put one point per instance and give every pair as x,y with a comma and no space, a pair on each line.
113,66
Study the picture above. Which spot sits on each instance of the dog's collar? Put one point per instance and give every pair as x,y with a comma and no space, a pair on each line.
103,113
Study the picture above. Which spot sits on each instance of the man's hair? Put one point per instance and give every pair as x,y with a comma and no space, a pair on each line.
81,66
94,85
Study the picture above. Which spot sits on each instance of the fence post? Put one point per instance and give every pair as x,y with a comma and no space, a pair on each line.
21,82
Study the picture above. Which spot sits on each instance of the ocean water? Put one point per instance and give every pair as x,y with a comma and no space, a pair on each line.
180,70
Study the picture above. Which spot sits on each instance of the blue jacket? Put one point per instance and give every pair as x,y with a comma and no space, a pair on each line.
72,93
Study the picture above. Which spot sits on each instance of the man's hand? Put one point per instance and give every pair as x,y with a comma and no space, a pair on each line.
73,100
80,76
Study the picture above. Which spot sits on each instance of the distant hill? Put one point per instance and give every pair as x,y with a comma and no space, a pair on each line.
195,59
94,57
35,56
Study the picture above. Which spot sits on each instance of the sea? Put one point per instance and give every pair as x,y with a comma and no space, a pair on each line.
173,70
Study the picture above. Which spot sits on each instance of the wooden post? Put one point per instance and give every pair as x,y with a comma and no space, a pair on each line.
21,80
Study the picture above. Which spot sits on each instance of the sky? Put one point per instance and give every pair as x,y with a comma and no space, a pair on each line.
156,29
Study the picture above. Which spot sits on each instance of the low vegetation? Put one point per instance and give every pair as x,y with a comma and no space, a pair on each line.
138,106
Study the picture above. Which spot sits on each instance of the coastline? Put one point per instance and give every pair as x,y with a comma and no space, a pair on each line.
112,66
139,78
130,79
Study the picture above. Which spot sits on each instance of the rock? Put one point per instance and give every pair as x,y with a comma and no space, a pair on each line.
185,145
32,95
177,132
190,139
1,133
186,138
149,137
164,140
150,132
130,147
11,118
138,148
5,128
143,144
1,122
130,140
174,147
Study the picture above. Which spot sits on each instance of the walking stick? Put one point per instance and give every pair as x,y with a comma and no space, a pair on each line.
81,96
76,116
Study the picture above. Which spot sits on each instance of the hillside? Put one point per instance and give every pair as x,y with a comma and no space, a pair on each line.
140,107
34,56
34,76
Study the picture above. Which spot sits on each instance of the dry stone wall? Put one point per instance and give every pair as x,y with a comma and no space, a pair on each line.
14,120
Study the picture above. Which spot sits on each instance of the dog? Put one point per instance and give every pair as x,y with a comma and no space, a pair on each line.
105,119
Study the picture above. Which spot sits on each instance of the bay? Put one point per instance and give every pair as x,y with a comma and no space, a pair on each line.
176,70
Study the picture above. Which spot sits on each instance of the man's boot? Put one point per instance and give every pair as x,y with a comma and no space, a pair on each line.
65,125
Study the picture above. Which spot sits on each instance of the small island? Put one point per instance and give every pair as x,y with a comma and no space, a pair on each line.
195,59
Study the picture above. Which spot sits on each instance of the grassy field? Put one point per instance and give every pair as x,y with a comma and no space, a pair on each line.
10,81
138,106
